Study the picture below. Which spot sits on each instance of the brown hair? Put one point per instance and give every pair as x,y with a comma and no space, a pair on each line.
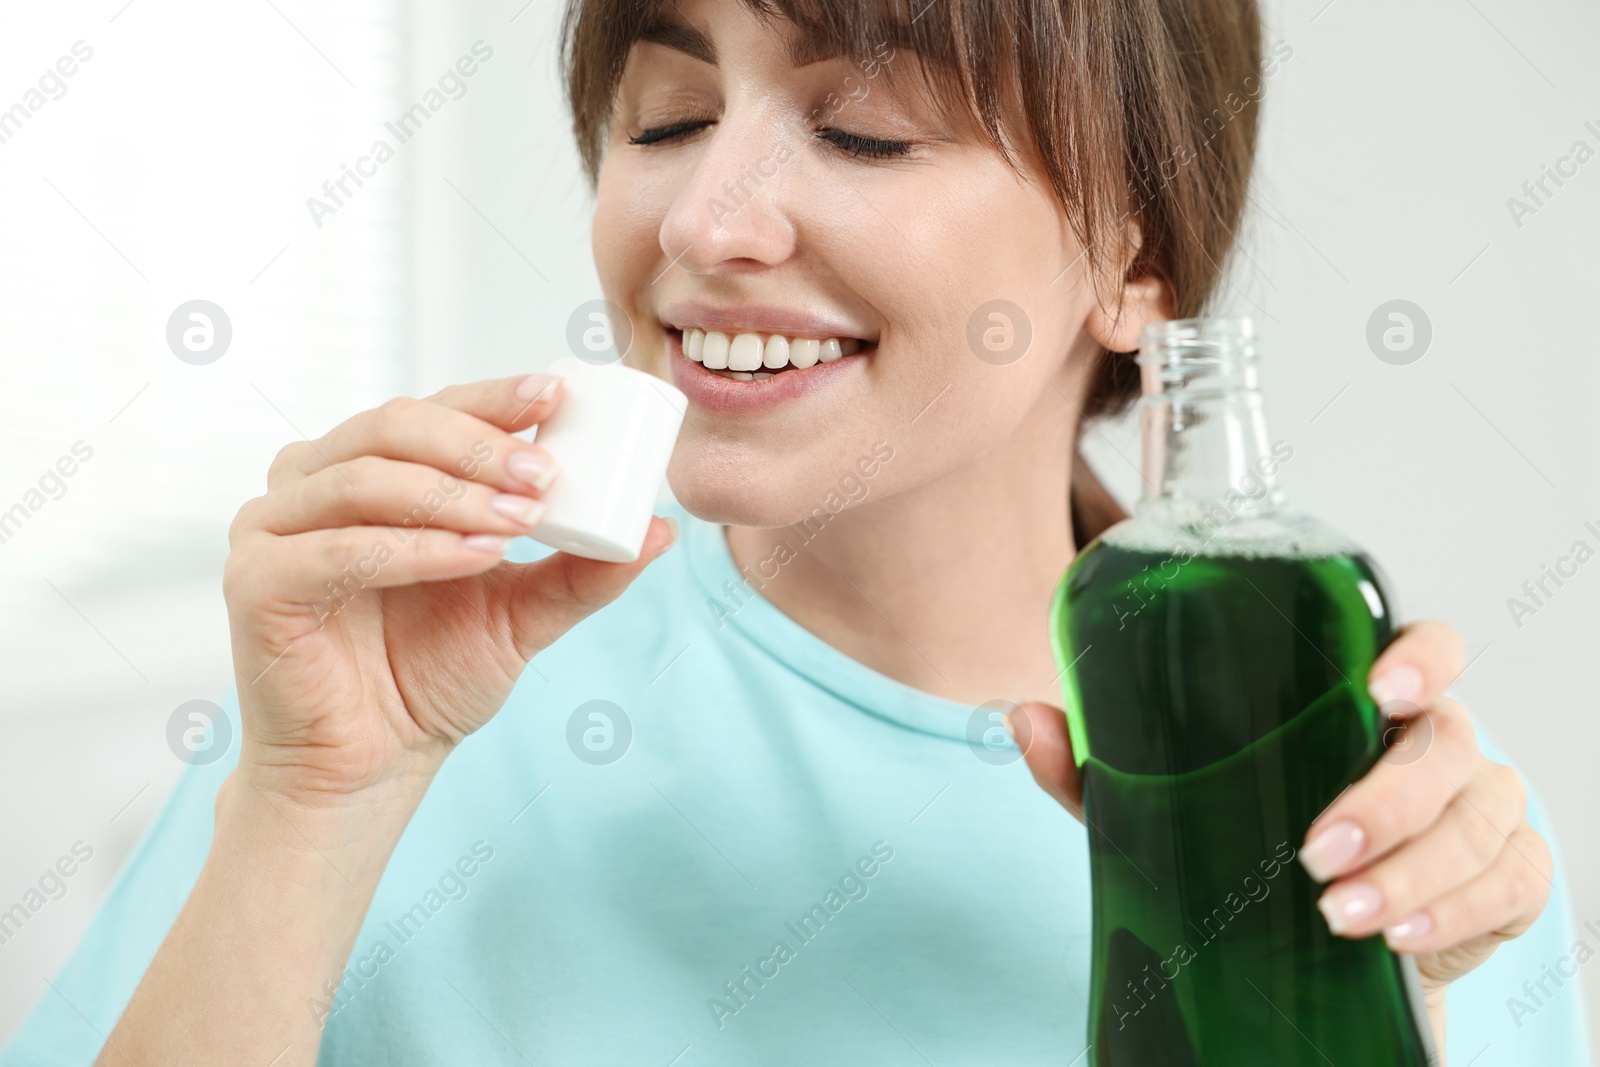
1129,103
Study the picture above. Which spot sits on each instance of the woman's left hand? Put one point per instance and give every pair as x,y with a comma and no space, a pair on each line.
1432,847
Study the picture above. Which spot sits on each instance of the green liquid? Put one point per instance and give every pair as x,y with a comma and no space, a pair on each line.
1217,705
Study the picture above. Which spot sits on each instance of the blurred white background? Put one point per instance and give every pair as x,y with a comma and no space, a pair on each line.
177,163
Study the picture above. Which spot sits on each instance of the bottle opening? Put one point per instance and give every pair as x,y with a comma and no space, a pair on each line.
1197,356
1204,430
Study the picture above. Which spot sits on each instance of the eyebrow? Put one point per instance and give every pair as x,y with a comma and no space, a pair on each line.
803,50
681,38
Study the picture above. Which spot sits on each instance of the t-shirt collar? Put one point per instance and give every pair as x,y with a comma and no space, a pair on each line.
734,603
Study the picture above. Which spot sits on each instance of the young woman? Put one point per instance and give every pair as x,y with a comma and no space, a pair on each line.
734,817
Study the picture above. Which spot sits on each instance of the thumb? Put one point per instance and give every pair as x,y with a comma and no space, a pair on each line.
1040,730
545,599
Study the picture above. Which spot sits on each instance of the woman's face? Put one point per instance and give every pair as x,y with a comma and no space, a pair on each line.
769,215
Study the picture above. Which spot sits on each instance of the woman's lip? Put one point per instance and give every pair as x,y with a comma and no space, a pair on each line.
730,396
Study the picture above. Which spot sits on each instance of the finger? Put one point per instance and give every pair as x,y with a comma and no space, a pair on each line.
543,600
510,403
372,491
1040,731
1396,800
320,571
1502,902
1451,853
420,431
1418,666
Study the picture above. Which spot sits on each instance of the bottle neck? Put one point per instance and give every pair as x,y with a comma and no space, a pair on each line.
1204,428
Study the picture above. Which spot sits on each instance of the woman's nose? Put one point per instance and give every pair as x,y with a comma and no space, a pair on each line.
730,211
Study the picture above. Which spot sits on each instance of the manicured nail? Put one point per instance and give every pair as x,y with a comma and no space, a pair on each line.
518,508
486,543
672,539
1333,849
538,469
1410,928
1011,731
1349,904
537,387
1401,684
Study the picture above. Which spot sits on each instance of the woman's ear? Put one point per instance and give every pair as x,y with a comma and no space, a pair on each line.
1144,300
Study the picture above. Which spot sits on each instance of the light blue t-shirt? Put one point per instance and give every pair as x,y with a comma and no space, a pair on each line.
757,850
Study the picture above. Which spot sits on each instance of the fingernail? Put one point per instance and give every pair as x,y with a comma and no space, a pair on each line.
1349,904
486,543
1005,721
1409,929
536,387
1333,849
517,508
538,469
1401,683
672,524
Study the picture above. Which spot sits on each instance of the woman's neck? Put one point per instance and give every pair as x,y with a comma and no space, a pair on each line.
947,587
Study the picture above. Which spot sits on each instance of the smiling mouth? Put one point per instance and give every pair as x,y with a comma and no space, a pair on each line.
756,356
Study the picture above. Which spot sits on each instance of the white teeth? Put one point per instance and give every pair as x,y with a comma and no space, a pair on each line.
715,352
776,353
744,354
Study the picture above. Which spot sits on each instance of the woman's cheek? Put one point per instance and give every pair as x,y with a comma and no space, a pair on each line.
630,203
606,237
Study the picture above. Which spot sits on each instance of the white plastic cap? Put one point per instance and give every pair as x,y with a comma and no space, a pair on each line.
613,433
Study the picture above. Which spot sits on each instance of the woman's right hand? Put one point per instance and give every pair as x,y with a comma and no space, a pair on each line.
374,621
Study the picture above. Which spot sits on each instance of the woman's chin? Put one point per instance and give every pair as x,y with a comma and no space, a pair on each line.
727,504
763,500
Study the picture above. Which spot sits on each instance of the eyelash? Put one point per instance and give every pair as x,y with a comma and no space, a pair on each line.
849,143
666,133
871,147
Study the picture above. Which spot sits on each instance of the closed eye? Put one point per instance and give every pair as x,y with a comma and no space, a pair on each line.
667,133
849,143
873,147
